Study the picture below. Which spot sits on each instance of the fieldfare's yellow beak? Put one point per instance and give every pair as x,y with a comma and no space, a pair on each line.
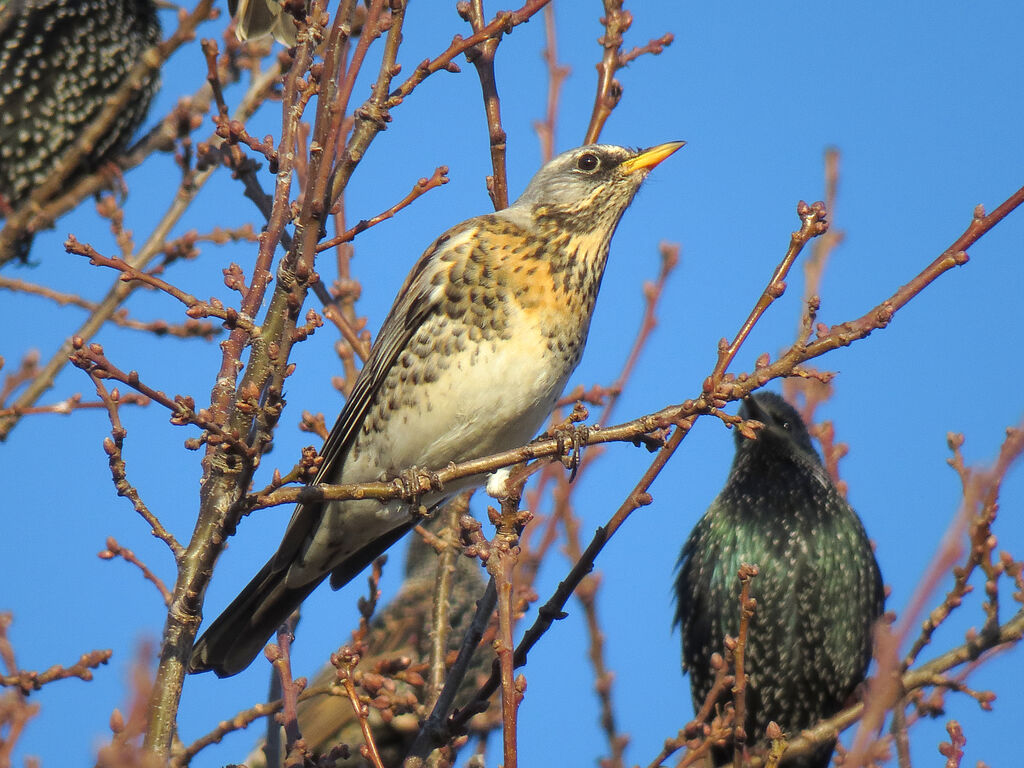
651,157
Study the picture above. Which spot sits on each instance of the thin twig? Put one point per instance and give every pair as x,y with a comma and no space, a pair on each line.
432,731
196,308
91,359
438,178
73,403
113,446
812,224
279,655
189,329
557,73
501,565
116,550
739,690
481,56
364,721
440,614
808,393
609,90
502,23
27,681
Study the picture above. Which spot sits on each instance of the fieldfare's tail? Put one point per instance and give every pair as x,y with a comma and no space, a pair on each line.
237,636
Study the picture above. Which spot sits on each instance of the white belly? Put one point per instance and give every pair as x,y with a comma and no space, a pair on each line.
493,397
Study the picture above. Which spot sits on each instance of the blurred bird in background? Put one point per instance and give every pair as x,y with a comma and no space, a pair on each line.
401,629
818,587
470,361
60,60
257,18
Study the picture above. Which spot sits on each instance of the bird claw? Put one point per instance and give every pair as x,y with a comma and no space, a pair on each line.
571,441
414,482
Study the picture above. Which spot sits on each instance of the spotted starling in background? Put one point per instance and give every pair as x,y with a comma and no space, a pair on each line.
402,628
818,587
59,62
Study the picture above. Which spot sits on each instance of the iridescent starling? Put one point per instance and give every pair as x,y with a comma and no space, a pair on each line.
59,62
402,628
818,588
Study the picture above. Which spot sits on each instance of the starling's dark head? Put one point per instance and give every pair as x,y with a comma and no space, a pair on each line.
783,427
588,188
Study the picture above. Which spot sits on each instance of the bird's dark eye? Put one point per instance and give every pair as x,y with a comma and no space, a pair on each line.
588,162
786,426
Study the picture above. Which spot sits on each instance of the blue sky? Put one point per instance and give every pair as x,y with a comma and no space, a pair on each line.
922,100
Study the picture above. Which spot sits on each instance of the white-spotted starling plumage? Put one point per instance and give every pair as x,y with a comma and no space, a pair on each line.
818,588
60,60
470,361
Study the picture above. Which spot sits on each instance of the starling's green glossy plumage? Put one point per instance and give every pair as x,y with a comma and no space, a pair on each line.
60,60
818,588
